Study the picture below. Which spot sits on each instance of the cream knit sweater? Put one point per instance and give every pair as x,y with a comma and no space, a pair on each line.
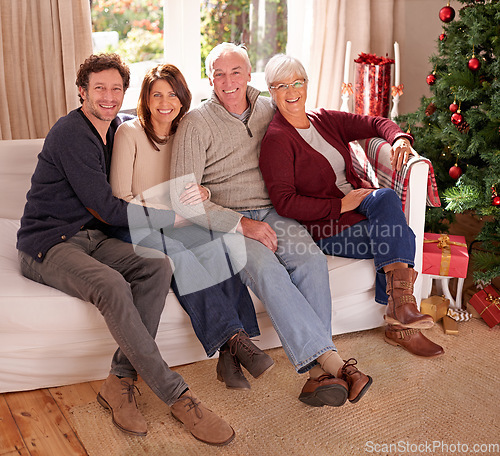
136,167
217,150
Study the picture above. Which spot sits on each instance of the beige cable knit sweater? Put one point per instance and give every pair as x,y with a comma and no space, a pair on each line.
217,150
135,164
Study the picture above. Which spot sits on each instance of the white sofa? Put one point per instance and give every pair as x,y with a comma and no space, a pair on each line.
48,338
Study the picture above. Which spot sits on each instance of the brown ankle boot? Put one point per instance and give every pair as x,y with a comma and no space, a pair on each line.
229,371
118,396
203,424
412,340
251,357
402,305
357,382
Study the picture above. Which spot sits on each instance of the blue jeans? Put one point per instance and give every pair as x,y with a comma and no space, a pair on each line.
217,302
384,236
129,288
292,283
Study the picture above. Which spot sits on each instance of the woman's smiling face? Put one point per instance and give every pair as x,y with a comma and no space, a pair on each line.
164,105
291,101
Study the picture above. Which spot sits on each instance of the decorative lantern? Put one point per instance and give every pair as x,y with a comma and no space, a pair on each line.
372,85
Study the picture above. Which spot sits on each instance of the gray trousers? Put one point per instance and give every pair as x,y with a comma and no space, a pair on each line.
128,288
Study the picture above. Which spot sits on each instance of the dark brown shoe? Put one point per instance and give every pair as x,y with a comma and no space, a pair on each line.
118,396
412,340
204,424
358,383
402,305
251,357
324,390
229,371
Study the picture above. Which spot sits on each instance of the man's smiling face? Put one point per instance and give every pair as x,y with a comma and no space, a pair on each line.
230,78
104,95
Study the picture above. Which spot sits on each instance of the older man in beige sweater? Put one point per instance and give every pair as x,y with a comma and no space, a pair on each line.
217,145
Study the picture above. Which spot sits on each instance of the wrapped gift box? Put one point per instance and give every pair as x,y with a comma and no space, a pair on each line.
487,303
445,255
450,326
435,306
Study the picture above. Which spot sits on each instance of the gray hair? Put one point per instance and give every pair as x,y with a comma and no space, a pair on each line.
223,49
282,67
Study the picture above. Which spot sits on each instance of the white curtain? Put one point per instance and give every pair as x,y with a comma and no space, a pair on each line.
317,34
42,44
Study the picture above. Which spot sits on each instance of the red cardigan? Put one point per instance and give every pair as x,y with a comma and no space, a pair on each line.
300,180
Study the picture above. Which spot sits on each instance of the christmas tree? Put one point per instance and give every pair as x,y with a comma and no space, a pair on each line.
458,127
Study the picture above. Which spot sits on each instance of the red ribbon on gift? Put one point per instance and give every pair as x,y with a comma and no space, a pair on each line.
347,88
397,90
495,301
443,243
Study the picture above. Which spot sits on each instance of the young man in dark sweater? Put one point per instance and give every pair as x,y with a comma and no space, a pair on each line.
62,243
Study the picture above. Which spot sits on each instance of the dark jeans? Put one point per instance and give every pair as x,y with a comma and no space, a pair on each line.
384,236
212,294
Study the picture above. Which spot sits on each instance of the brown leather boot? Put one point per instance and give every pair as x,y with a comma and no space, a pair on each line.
357,382
251,357
402,305
229,371
204,424
412,340
118,396
324,390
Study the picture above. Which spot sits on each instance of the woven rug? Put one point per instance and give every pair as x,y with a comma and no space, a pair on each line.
419,406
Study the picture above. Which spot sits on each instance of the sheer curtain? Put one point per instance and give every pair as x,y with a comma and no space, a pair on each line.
317,35
42,44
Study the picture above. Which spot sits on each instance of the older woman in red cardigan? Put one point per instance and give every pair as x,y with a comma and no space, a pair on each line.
307,167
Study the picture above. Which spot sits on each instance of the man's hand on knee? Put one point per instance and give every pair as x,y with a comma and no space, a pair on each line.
260,231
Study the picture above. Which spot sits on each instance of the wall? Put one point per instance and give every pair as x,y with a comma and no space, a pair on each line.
417,31
415,25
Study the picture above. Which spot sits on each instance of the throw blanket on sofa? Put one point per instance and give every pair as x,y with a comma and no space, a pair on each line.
375,167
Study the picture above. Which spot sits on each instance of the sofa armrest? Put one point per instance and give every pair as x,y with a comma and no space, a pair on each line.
414,184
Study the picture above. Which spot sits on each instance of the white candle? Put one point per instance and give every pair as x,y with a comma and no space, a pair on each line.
347,62
397,64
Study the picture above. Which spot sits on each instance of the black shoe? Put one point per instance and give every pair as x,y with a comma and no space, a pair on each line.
251,357
229,371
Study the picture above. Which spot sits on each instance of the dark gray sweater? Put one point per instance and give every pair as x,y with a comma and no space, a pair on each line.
70,189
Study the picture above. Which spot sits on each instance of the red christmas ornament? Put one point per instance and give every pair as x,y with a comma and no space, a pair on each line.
474,64
442,37
447,14
455,172
453,107
457,118
431,79
495,199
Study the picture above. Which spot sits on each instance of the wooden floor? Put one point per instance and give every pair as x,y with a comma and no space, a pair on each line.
37,423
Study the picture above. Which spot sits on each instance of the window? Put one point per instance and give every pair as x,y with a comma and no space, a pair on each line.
182,32
261,25
133,29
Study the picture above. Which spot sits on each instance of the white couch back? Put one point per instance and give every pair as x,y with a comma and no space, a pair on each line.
18,159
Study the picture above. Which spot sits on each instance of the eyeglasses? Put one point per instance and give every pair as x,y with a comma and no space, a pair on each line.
298,84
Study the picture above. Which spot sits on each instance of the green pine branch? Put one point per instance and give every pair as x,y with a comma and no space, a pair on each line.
462,198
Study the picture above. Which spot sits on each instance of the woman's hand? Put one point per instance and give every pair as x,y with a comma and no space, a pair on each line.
354,198
194,194
401,153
